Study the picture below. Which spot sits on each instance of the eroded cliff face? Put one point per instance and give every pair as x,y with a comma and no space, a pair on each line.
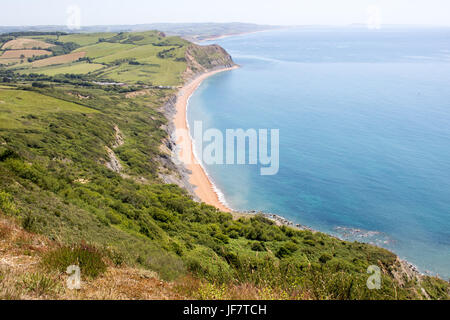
206,58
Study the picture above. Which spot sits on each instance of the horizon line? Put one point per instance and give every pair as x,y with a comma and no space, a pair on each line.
232,22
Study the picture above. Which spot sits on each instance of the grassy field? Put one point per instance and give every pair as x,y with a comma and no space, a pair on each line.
59,60
85,39
132,58
17,107
11,54
73,68
139,53
104,49
165,74
24,43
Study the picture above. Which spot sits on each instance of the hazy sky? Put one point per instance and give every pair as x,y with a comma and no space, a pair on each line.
286,12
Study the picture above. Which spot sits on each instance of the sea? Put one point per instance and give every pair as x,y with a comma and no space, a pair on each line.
364,133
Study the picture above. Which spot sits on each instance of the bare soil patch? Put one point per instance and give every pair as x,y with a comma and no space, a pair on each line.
17,54
67,58
19,44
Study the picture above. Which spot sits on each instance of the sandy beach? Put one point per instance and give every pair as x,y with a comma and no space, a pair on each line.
204,188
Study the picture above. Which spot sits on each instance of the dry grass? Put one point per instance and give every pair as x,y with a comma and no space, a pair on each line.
67,58
125,284
202,290
17,54
22,275
139,93
19,44
9,61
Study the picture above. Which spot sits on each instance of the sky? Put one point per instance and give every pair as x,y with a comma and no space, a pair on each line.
276,12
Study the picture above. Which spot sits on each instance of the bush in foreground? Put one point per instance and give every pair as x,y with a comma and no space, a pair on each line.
88,258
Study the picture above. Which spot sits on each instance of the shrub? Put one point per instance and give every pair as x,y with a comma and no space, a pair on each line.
39,284
222,237
116,257
258,246
29,223
6,203
282,252
436,288
233,234
206,263
168,266
211,291
286,250
324,258
88,258
291,247
8,154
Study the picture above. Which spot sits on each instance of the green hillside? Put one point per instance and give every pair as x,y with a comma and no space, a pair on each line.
62,127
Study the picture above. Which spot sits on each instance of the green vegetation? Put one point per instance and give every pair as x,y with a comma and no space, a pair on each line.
18,107
78,68
40,284
56,137
144,58
88,258
85,39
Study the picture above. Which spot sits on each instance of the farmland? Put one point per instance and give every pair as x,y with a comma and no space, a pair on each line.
24,43
26,53
134,58
77,68
66,58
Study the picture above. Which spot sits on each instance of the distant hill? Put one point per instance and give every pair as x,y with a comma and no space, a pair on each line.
192,31
138,58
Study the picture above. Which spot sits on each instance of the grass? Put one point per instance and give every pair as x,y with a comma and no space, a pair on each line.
104,49
88,258
18,107
56,60
17,54
141,54
40,284
73,68
133,58
85,39
25,43
164,73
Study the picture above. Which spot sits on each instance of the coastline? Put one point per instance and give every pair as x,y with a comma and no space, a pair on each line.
201,184
204,188
223,36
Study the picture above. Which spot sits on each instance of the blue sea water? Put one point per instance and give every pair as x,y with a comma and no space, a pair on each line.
364,119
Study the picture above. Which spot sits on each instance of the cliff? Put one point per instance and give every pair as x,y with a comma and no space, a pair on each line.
206,58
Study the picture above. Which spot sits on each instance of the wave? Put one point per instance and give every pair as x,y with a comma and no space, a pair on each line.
356,234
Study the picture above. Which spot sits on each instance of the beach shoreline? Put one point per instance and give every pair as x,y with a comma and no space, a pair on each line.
204,188
201,183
